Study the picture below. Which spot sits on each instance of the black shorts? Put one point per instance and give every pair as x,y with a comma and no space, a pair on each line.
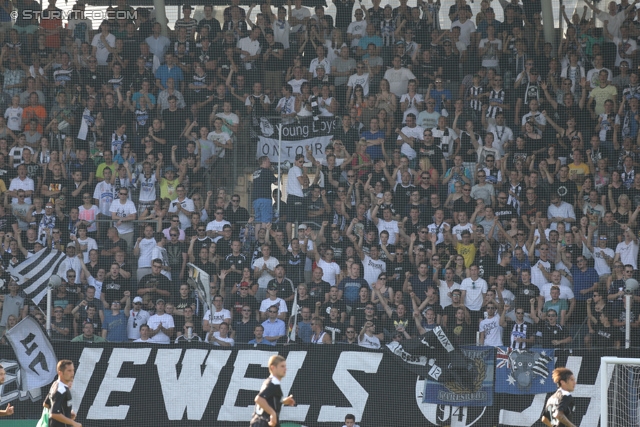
295,209
260,423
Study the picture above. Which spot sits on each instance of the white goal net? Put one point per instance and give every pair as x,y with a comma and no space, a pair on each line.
621,395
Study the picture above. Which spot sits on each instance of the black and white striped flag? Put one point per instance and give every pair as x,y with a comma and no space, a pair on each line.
33,273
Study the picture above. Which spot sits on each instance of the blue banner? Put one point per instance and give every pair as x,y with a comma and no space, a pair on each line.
475,392
524,371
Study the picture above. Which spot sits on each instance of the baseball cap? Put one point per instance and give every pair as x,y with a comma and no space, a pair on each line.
272,287
302,227
186,6
71,245
159,300
137,299
244,285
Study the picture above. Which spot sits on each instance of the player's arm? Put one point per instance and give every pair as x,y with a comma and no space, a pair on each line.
262,402
546,421
6,412
560,416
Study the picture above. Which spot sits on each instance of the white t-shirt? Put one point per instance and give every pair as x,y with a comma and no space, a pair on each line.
91,244
138,319
330,271
362,80
222,138
102,54
21,184
475,290
444,289
229,340
217,317
14,118
628,253
266,303
265,277
167,322
294,188
415,132
357,28
391,227
466,29
217,226
399,80
121,211
458,229
537,278
492,331
147,188
146,252
372,269
369,341
600,264
187,204
565,292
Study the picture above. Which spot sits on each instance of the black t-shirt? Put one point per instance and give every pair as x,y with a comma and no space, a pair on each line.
327,306
485,265
63,324
244,331
606,337
395,322
182,303
159,282
59,399
399,268
212,24
6,222
113,289
262,180
380,177
468,207
460,334
338,327
559,402
174,124
566,190
505,213
547,333
317,291
524,294
236,302
272,393
240,262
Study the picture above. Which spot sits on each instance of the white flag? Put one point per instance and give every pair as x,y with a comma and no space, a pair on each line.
34,353
33,274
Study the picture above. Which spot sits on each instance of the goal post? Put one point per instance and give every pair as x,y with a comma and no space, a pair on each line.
619,396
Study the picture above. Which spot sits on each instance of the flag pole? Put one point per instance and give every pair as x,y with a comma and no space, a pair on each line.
294,314
49,309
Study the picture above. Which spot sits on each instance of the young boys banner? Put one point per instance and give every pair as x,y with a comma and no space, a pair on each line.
316,134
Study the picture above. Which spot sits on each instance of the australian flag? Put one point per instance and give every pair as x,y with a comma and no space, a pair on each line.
524,371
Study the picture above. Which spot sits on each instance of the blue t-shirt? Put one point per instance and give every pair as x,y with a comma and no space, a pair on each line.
116,326
351,289
374,151
583,280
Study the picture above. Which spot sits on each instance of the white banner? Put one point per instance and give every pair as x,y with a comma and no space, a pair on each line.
199,281
34,353
316,134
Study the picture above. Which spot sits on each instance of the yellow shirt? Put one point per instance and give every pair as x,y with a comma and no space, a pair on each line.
168,188
577,173
468,252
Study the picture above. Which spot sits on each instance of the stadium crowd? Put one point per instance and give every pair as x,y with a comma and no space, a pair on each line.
478,179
